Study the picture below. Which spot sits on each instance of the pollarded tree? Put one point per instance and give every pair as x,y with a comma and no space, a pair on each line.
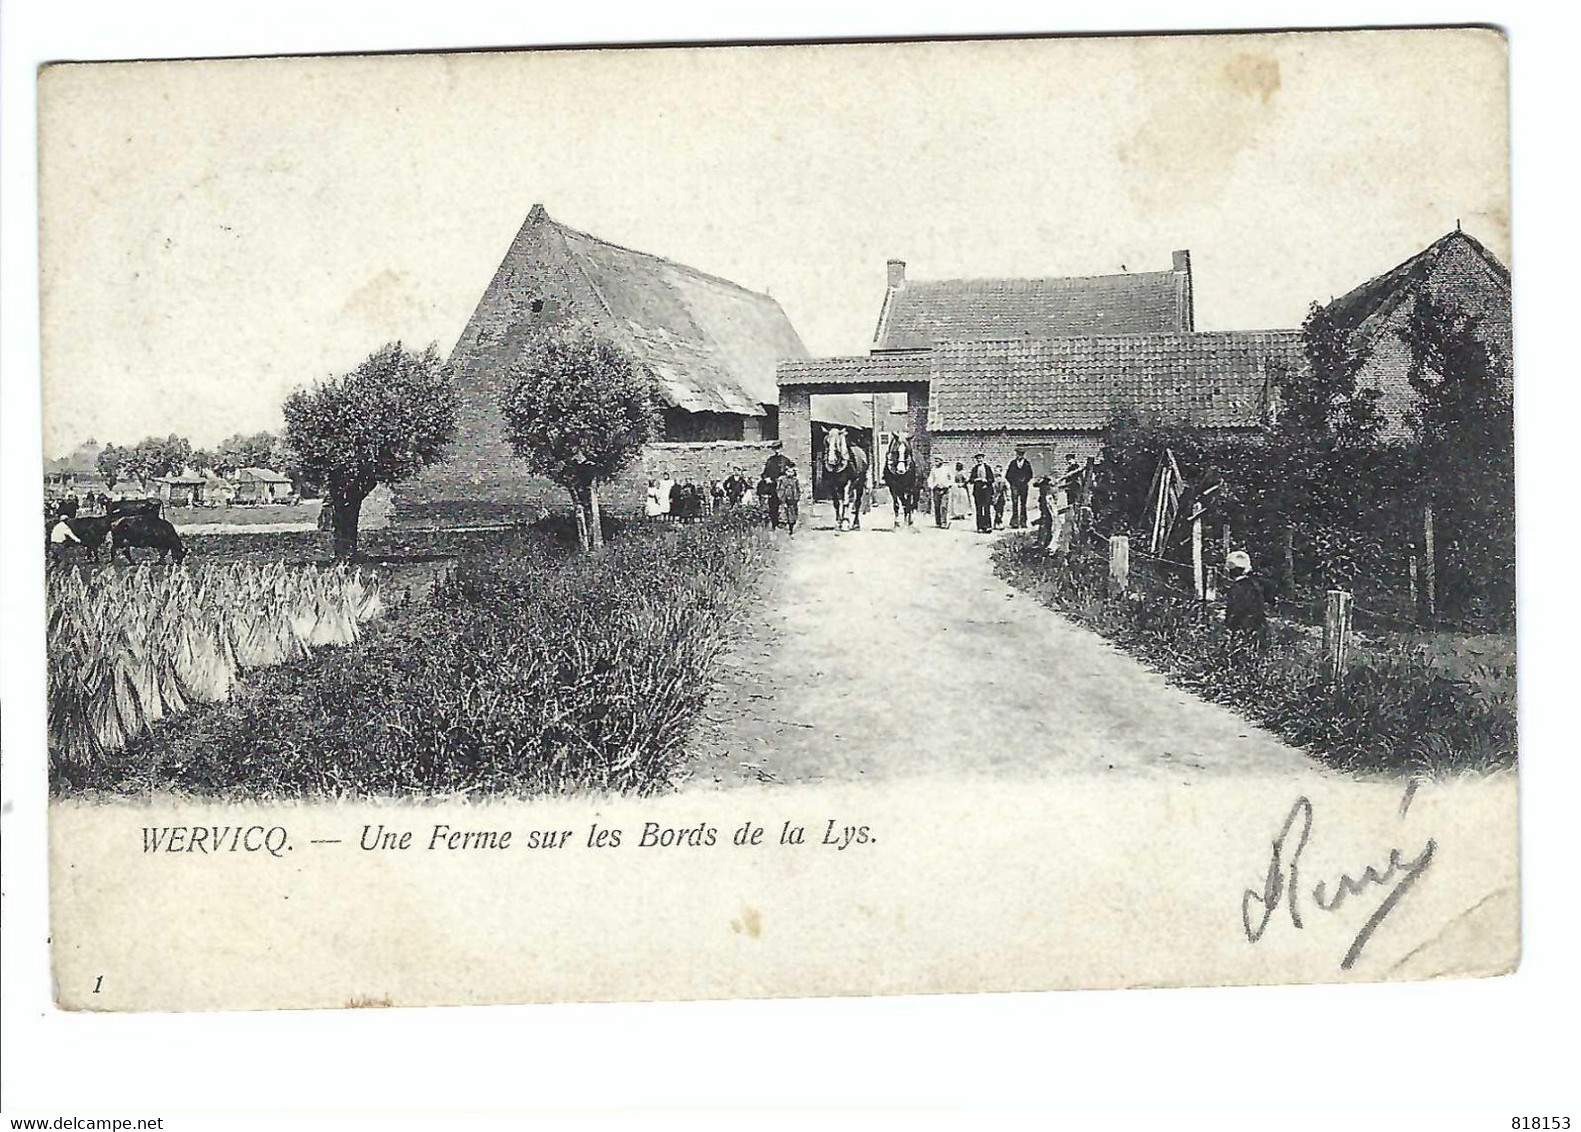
578,409
382,423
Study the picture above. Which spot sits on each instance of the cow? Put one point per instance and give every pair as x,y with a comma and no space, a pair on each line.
147,531
121,508
89,529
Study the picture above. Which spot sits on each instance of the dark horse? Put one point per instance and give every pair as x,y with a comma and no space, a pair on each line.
845,471
902,477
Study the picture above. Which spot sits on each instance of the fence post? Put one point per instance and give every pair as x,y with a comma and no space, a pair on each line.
1119,564
1430,580
1336,634
1290,558
1196,558
1416,608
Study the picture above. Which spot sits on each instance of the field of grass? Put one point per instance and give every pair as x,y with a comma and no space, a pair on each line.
520,668
1412,705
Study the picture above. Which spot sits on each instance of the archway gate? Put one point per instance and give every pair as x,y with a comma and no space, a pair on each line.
801,379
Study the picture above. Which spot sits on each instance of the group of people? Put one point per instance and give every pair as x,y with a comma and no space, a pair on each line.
777,492
985,491
680,500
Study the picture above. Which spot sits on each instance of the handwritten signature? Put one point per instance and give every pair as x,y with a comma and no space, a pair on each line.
1283,883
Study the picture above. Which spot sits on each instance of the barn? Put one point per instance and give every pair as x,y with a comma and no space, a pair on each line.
711,346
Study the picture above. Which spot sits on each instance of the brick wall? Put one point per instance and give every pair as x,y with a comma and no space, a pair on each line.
1465,280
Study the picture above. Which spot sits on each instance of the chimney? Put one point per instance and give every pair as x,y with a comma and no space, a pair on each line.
897,273
1188,318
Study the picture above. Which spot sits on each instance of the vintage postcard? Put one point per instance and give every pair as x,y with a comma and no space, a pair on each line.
819,519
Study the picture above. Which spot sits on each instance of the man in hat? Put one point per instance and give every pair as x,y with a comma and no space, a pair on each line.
940,481
981,482
1018,474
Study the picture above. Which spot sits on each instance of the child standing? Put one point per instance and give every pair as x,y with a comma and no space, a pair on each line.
788,490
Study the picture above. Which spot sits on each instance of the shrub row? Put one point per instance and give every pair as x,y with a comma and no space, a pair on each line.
1392,713
540,672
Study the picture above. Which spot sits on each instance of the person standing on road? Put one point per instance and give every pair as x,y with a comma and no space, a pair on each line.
960,495
788,491
940,481
1018,474
981,481
1001,496
769,497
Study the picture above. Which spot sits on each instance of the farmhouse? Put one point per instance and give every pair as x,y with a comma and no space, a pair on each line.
1457,270
985,365
710,344
260,485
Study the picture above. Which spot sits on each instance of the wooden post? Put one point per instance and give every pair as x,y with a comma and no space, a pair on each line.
1197,581
1119,564
1429,578
1336,634
595,517
1415,601
1225,532
1290,558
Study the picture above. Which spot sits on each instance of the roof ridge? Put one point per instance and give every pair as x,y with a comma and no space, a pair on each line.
910,283
1169,334
686,267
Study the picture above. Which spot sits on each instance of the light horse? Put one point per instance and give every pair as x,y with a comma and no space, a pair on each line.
902,477
845,471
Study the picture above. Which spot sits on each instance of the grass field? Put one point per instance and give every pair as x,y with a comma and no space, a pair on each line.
506,663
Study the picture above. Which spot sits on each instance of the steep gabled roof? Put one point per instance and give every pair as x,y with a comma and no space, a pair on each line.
919,313
710,344
1366,309
1212,380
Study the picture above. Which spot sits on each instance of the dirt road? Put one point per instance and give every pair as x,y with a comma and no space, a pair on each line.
886,653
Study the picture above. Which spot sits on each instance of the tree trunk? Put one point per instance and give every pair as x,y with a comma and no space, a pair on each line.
344,516
595,519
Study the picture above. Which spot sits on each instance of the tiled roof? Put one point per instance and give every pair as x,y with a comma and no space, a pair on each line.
860,369
919,313
1366,309
1213,380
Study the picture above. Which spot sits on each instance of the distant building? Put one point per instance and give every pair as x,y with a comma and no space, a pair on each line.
181,490
76,472
1459,271
261,485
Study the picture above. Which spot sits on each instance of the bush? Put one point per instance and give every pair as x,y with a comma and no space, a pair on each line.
543,672
1393,712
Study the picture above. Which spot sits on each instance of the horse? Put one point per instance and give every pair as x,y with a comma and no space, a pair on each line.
845,471
902,477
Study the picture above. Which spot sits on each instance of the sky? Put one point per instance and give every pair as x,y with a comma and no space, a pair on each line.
215,234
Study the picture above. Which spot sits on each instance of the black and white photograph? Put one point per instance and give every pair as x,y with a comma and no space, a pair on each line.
760,521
